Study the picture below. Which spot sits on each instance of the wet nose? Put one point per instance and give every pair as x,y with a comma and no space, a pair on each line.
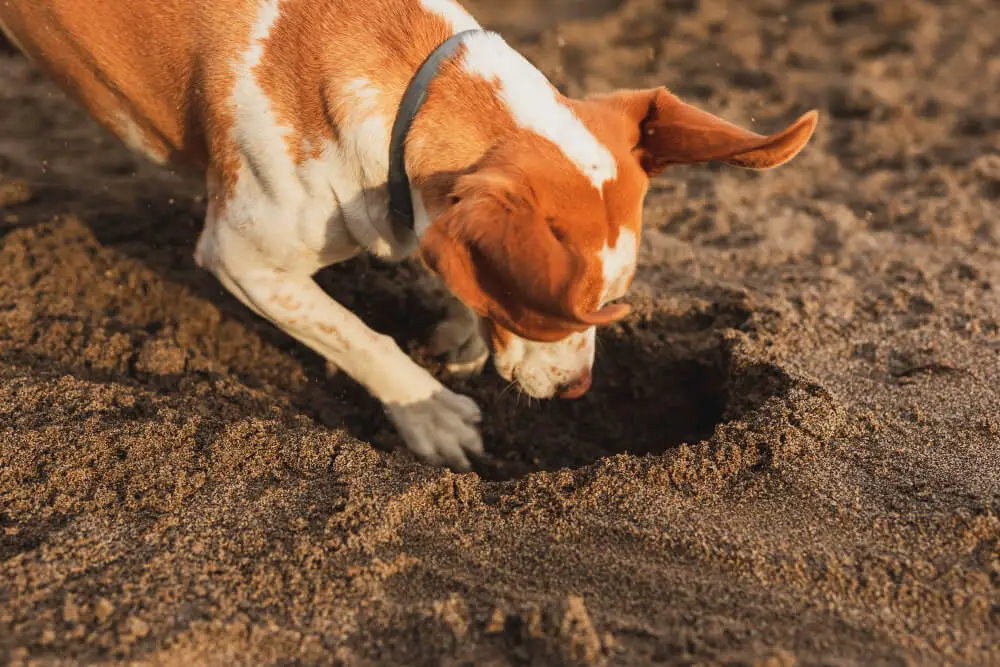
577,387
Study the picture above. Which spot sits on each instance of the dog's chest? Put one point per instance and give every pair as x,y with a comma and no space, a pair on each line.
323,210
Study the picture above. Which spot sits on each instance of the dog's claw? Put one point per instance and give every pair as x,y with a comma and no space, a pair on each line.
441,430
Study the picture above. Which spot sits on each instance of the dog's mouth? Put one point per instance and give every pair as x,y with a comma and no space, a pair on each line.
545,370
542,384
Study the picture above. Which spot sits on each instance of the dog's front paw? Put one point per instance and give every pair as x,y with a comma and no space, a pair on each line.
458,341
441,429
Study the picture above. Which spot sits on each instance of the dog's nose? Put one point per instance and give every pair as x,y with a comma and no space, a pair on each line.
577,387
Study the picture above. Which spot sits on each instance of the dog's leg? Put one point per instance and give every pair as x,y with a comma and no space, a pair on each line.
437,424
458,339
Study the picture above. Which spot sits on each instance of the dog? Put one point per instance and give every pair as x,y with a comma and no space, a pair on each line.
328,128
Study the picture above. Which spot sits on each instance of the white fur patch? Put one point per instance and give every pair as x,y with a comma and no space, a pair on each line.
618,263
451,12
256,129
542,369
135,138
364,142
532,102
361,92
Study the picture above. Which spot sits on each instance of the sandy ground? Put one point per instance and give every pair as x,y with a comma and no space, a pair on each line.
791,454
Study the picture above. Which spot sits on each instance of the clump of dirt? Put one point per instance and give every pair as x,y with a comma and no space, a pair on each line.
790,455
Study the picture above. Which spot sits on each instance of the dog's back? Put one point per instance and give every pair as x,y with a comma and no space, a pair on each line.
111,57
162,75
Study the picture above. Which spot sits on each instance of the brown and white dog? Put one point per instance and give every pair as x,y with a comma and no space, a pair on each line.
527,204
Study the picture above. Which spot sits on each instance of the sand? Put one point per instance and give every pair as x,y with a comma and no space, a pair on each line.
791,454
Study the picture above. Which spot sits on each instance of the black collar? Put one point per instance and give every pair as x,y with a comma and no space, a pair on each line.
400,199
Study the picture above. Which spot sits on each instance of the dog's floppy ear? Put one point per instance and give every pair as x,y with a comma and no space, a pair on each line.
674,132
499,255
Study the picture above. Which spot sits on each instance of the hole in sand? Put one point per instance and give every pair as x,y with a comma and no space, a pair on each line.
657,385
658,382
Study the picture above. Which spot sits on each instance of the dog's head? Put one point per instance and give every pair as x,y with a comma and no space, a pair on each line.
540,248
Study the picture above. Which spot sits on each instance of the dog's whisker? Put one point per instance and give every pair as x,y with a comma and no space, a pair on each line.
506,390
